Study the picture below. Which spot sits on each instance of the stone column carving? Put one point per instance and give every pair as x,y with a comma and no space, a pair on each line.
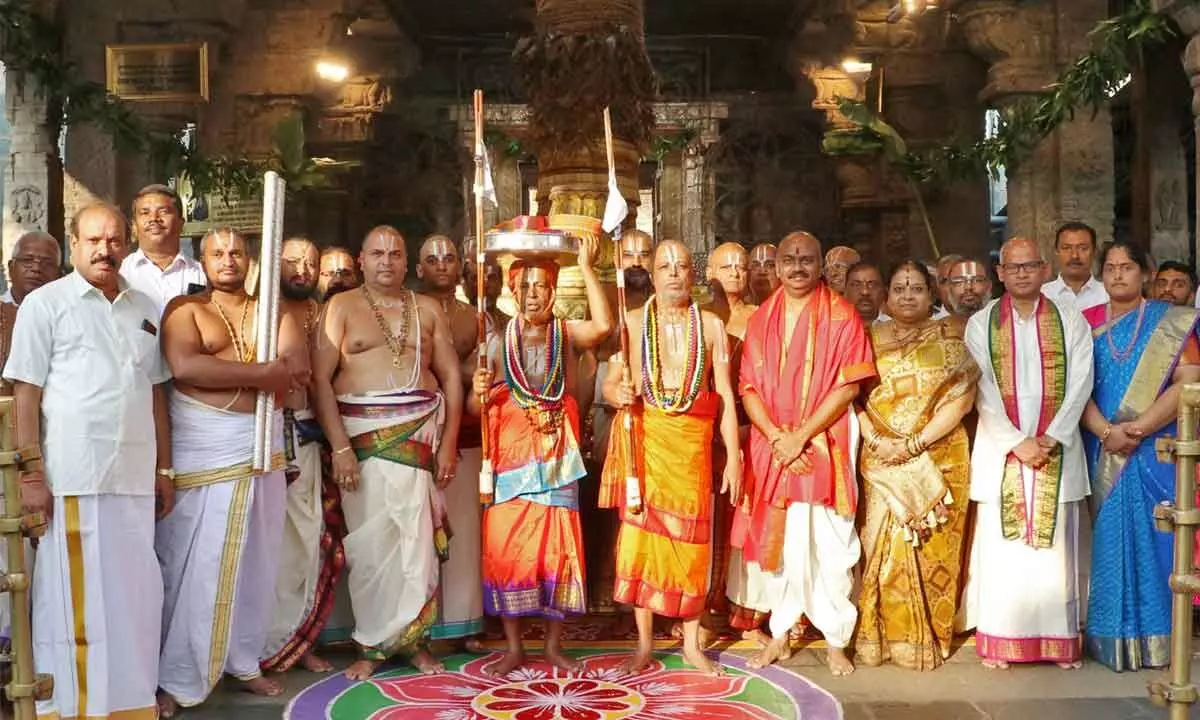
34,185
1186,14
1069,176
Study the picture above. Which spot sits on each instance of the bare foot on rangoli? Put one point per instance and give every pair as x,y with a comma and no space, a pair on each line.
1070,665
167,707
362,669
995,665
560,661
776,650
262,685
677,630
474,646
511,661
637,662
315,663
757,636
697,659
426,663
839,664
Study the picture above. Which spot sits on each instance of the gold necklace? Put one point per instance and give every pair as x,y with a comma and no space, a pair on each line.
396,343
244,352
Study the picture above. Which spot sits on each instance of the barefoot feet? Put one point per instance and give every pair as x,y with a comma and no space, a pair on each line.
1070,665
696,658
315,664
995,665
362,669
167,707
474,646
556,659
511,661
777,649
426,663
839,664
638,661
262,685
757,636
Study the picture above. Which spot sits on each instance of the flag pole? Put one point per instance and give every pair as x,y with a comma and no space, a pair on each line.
486,476
633,488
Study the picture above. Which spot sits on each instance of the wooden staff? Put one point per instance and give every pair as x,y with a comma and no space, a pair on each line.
633,486
486,476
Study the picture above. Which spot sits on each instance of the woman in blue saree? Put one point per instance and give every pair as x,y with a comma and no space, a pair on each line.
1144,351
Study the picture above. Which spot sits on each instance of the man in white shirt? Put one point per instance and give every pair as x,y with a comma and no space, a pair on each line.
36,260
1028,474
157,267
1075,251
89,388
866,290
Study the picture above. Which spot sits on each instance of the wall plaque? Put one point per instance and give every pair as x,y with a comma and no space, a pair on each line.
166,72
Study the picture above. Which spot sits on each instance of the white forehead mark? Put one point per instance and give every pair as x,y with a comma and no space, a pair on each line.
762,253
339,262
442,249
970,269
224,240
672,255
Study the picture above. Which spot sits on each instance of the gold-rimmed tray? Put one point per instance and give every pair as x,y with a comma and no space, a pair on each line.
508,245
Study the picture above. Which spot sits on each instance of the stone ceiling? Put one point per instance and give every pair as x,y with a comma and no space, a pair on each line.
768,18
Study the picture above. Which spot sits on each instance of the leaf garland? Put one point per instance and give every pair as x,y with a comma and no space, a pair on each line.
32,45
1117,45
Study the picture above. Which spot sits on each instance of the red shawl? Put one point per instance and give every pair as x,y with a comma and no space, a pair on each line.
829,349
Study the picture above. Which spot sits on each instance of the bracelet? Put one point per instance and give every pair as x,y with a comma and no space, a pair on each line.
913,444
346,449
1107,431
873,442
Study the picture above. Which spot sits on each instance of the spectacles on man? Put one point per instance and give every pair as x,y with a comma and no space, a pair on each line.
1026,267
29,262
973,280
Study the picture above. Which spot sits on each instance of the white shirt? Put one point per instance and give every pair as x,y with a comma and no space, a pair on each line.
7,297
1090,295
97,363
882,317
162,286
997,436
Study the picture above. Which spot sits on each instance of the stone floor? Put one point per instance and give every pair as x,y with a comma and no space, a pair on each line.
960,690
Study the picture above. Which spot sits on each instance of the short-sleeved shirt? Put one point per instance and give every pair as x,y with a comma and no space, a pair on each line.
1090,295
97,364
162,286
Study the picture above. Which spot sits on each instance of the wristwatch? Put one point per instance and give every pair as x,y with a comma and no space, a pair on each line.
168,473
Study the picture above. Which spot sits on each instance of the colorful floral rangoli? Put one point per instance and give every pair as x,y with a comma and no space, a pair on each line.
668,690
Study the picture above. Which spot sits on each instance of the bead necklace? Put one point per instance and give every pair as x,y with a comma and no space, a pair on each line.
245,352
396,342
680,399
1123,354
542,407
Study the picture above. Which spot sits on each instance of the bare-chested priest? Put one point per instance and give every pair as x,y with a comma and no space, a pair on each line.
219,548
461,601
389,396
311,559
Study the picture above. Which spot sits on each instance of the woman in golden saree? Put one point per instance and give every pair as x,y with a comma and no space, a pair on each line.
915,479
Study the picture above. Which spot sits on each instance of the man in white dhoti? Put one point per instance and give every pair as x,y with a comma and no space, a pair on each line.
1027,468
311,557
381,354
804,355
89,387
219,549
159,267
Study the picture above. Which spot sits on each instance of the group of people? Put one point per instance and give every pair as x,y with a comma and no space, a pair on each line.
785,450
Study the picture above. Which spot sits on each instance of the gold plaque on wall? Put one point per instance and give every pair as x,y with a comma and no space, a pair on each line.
164,72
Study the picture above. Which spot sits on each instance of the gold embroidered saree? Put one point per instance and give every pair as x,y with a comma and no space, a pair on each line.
910,585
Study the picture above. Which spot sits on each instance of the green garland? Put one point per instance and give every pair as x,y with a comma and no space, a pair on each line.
1117,45
32,45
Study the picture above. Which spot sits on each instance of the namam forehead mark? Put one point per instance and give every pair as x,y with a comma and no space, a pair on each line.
673,253
440,248
339,261
970,268
636,243
225,240
729,255
387,239
763,253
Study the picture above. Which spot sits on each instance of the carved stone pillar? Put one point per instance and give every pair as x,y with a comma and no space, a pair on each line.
1187,15
1069,176
34,176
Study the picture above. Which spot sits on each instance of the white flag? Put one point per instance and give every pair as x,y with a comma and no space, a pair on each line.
615,208
488,191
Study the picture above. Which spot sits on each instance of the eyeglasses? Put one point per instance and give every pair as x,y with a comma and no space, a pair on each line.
864,285
340,273
1026,267
29,262
961,281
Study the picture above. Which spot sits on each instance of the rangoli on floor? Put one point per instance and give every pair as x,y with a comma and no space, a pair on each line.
668,690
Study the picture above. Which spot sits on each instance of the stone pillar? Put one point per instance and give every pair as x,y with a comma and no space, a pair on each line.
1186,14
1069,176
699,196
34,185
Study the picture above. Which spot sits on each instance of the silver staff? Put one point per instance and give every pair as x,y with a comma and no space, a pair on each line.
266,316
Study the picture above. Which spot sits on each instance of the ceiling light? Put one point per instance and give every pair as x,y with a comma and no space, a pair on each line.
332,70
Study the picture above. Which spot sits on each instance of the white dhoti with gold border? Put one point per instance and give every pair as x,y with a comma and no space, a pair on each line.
461,590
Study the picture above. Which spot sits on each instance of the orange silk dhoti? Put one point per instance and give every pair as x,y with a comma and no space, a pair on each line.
664,552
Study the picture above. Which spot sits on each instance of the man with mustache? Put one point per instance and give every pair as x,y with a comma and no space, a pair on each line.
1075,251
763,277
1175,283
838,261
36,260
969,287
219,548
460,616
389,396
805,355
91,425
865,290
532,540
158,267
942,275
1028,472
679,362
311,559
338,273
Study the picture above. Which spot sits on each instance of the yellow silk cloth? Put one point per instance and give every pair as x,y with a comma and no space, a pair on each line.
910,592
663,552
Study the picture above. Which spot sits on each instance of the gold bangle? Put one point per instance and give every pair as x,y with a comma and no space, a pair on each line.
1107,431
